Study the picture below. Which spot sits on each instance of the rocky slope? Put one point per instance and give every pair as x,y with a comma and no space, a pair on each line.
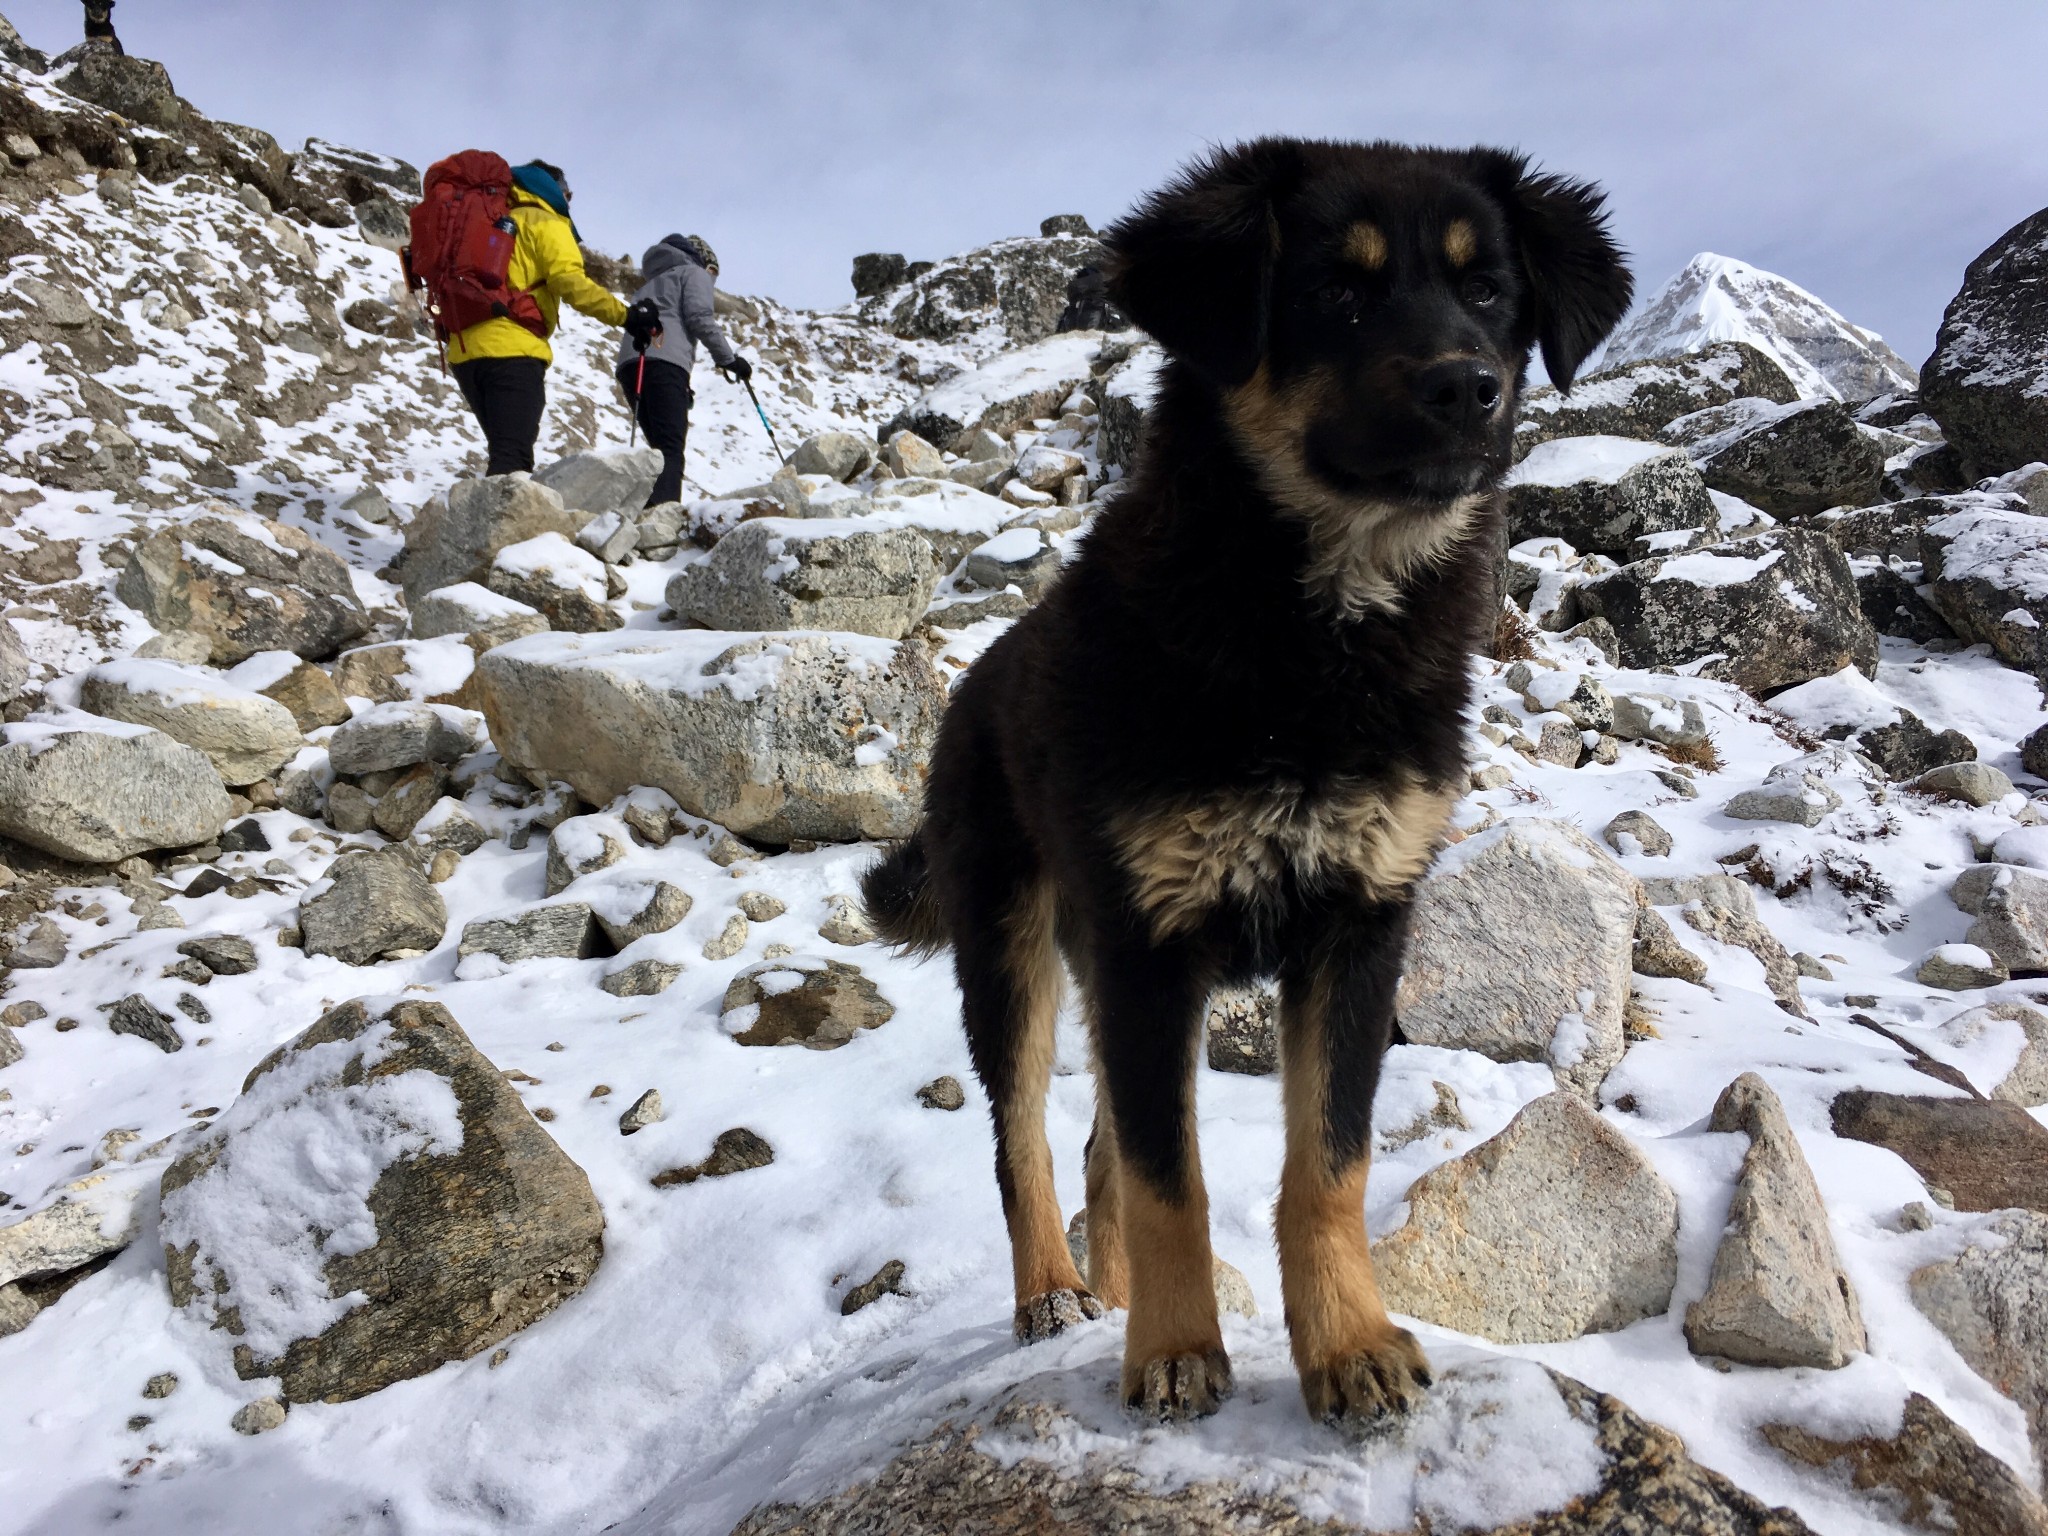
433,994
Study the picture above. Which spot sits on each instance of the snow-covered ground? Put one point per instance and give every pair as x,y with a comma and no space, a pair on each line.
707,1365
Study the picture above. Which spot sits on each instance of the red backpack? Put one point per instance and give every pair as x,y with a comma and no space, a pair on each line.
462,241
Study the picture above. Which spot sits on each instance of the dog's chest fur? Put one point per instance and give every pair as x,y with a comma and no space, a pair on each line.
1252,845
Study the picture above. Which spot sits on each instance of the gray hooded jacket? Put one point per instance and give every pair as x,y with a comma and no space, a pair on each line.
681,291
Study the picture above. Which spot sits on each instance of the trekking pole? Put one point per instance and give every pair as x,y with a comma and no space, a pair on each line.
639,390
764,422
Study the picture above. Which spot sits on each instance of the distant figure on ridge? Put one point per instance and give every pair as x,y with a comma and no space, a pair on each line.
672,312
99,24
501,363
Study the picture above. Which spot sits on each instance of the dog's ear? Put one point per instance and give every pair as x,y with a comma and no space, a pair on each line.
1579,282
1193,264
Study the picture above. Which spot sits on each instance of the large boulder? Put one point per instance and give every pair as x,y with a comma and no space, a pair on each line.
810,573
243,734
398,735
842,455
1497,1448
378,1202
100,795
603,479
455,538
1790,460
778,736
1763,612
473,611
1987,569
1555,1228
1778,1294
549,574
369,907
302,688
1637,399
1013,387
1987,382
1603,493
2011,908
138,89
1991,1302
246,584
1555,992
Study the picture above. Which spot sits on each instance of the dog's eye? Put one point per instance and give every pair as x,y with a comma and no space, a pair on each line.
1481,290
1338,296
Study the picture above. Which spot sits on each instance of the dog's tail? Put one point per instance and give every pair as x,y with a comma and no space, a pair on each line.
901,905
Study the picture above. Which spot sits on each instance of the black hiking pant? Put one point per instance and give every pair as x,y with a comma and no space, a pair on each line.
663,407
507,394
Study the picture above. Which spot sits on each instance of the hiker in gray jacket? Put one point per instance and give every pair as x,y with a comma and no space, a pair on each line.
670,314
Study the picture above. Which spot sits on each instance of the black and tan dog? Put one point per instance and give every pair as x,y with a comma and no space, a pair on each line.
1226,743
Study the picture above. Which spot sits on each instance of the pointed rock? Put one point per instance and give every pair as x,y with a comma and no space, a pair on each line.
1777,1295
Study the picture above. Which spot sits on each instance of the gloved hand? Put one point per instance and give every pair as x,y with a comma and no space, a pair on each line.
739,370
643,323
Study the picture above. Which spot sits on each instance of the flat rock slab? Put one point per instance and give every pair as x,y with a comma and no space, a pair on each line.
776,736
400,734
1931,1474
425,1215
1555,1228
1557,993
245,735
99,796
810,573
1989,1155
1778,1294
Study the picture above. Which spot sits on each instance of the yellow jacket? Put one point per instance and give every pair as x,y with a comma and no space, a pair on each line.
546,262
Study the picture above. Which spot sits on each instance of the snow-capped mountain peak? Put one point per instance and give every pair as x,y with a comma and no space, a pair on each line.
1717,298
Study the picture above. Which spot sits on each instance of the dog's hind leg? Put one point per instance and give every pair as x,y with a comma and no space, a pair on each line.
1145,1008
1336,1020
1109,1271
1010,981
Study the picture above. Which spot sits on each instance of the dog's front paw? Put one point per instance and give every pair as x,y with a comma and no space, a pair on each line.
1051,1313
1183,1386
1358,1388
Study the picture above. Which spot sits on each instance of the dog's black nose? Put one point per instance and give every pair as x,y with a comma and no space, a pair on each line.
1458,393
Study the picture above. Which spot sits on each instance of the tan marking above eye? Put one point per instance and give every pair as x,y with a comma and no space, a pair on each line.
1461,242
1365,245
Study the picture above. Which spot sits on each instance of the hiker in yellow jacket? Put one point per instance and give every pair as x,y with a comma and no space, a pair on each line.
500,365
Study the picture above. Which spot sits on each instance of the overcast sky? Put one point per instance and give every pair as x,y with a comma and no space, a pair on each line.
1865,149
